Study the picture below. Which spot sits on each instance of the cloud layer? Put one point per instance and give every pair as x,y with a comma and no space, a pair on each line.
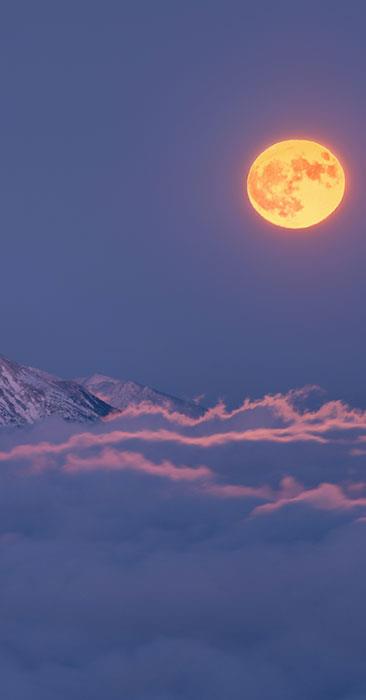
156,557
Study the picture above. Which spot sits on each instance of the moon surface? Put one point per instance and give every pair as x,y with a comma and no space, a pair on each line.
296,183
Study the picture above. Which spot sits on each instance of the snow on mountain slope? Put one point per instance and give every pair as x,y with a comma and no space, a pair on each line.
28,394
121,394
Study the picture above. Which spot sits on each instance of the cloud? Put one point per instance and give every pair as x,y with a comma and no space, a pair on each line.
155,557
274,419
109,459
325,497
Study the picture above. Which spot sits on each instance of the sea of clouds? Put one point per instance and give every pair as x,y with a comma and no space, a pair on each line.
157,557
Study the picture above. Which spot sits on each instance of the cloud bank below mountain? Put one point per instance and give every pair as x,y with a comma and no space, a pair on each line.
155,556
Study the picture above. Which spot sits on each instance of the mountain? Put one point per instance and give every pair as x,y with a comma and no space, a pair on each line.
122,394
28,394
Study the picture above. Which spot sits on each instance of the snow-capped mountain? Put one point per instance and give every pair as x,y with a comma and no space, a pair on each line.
122,394
28,394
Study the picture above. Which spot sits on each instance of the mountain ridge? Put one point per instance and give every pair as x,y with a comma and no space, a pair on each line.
28,394
120,394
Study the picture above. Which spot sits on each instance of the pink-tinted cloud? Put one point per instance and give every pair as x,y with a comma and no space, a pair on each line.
324,497
273,419
113,460
282,404
87,440
220,426
289,489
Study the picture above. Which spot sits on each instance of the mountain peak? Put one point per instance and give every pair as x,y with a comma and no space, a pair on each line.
121,394
28,394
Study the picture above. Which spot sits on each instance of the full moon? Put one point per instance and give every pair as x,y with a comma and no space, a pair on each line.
296,183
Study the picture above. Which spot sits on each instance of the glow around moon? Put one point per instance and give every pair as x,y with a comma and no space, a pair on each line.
296,183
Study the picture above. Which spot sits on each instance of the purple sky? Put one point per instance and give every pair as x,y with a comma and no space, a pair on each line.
125,132
152,556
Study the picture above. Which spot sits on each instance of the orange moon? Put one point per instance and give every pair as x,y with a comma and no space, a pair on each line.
296,183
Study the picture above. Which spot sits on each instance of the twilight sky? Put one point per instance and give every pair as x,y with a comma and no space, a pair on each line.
126,129
153,556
